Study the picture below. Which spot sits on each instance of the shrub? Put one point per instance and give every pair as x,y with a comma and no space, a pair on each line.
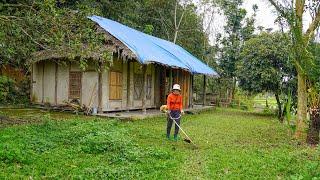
12,92
6,89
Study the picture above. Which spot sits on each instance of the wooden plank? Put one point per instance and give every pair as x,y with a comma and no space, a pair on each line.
144,97
31,83
100,89
128,86
43,63
56,84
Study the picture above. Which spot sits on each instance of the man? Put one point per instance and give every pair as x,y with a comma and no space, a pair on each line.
174,105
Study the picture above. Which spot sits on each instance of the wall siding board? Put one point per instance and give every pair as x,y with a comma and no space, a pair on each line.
131,103
124,85
49,80
105,91
89,85
63,84
37,82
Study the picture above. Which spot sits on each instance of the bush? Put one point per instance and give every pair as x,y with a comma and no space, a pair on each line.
12,92
6,89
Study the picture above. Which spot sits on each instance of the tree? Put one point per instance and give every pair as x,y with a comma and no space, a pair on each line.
292,12
265,66
238,29
162,15
314,95
28,26
32,25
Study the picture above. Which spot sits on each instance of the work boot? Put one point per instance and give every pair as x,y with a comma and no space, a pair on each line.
168,136
175,137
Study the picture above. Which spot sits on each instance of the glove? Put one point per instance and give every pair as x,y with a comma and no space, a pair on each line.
182,112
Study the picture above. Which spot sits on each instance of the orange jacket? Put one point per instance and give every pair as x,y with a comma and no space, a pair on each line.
174,102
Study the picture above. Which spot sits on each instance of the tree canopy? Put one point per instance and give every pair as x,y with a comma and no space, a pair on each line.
33,25
266,66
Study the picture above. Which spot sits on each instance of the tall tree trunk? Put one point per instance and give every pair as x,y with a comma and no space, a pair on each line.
175,36
233,91
176,22
302,106
280,114
314,127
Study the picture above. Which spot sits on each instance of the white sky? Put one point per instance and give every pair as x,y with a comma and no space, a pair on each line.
266,16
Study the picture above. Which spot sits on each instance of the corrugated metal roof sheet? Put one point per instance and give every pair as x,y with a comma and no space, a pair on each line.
150,49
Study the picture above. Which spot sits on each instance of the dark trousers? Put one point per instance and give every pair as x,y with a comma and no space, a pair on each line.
174,114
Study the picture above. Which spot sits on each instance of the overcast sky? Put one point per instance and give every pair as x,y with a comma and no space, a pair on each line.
266,16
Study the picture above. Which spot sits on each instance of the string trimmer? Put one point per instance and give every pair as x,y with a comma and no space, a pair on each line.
188,140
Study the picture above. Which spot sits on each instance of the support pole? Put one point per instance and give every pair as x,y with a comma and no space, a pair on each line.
100,88
144,88
204,89
164,78
191,90
170,80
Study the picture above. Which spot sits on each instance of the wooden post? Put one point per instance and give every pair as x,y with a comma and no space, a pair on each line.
164,98
144,88
128,86
170,80
56,84
100,88
191,91
204,89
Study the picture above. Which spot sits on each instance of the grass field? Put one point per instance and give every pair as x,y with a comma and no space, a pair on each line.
231,144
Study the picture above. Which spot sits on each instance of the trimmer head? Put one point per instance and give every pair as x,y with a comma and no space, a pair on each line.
187,140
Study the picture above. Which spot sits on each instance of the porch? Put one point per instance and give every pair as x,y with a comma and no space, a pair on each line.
151,113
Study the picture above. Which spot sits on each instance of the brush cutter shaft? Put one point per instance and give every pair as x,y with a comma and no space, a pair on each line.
174,120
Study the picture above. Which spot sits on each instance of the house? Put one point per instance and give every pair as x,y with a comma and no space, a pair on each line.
143,70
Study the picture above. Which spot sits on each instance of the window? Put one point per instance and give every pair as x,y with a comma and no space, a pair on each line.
138,86
74,85
115,85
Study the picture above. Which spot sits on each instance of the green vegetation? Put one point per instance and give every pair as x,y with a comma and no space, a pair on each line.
12,92
232,144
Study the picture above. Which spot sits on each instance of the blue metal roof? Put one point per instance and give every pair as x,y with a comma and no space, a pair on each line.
150,49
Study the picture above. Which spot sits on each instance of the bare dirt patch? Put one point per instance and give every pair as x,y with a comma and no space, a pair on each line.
6,121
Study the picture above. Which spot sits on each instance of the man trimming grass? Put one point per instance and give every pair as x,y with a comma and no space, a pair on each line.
174,105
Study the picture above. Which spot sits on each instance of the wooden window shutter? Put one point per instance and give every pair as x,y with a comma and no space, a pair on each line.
74,85
138,85
115,85
149,87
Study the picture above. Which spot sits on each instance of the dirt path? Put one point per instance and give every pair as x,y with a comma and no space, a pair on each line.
6,121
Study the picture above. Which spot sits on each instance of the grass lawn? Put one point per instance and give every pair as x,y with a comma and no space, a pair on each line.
232,144
260,101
